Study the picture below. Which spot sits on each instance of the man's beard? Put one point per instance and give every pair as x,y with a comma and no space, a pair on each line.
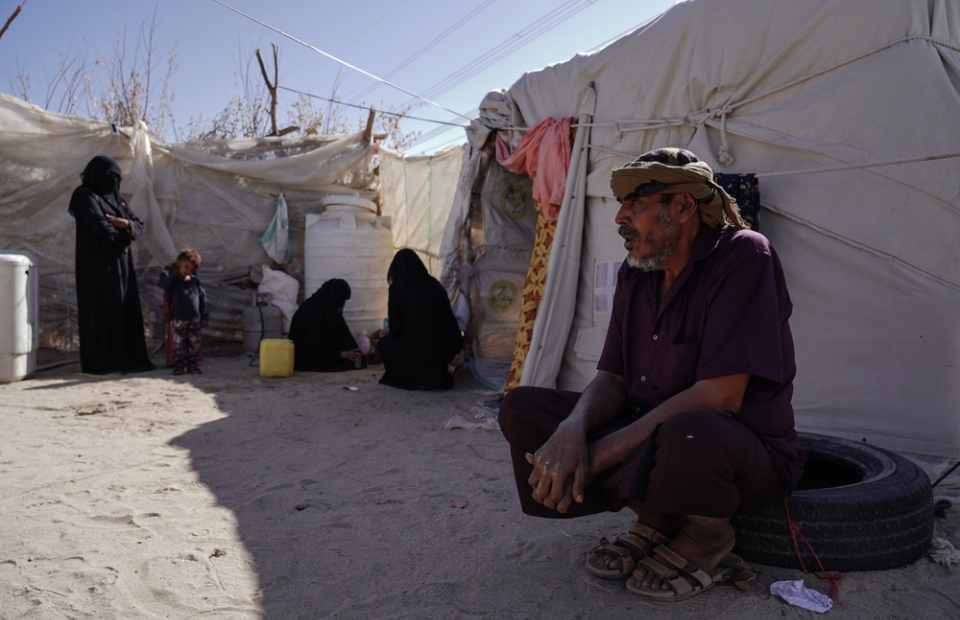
664,249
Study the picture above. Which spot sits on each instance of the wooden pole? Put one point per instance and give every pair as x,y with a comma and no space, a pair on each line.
368,132
271,88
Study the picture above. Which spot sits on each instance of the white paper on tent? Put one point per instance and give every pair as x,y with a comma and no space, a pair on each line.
276,240
590,342
604,285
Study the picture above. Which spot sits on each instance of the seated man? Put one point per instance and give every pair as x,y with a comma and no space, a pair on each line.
688,421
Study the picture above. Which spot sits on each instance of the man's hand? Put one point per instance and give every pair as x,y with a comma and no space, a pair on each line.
560,469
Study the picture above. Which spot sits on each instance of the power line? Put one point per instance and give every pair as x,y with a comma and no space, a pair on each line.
506,47
441,130
363,107
437,131
624,33
443,35
383,16
441,145
433,133
342,62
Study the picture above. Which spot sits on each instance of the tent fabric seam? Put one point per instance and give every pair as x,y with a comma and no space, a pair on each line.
860,246
767,175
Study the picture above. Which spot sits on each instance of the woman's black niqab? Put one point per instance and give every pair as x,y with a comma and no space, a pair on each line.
424,335
333,295
95,178
109,317
319,331
406,264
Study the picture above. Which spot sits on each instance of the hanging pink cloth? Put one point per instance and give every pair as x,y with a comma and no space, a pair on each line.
544,155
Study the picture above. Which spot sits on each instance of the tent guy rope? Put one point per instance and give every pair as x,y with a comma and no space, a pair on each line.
334,58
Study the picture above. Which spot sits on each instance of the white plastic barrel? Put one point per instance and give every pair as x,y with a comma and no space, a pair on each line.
349,241
19,321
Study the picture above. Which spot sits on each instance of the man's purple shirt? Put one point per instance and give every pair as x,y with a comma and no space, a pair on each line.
725,314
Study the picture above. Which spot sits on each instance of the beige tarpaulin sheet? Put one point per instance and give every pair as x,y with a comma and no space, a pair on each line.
417,193
217,197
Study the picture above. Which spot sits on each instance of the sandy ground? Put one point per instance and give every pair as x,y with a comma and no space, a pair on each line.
231,496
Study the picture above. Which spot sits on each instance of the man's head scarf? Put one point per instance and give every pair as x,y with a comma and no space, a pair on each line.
677,171
406,264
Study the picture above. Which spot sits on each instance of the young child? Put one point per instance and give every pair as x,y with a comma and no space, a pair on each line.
188,310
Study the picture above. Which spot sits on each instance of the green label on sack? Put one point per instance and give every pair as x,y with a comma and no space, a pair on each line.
503,294
515,201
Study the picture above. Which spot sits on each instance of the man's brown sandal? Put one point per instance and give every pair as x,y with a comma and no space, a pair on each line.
630,548
685,578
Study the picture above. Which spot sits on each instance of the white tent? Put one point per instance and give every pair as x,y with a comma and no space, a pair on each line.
847,114
218,197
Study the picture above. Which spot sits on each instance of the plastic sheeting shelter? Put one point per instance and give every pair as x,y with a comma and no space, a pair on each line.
217,197
846,112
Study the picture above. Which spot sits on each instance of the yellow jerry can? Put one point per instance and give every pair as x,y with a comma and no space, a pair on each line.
276,357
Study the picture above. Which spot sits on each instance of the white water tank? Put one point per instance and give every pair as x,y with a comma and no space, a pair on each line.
349,241
19,320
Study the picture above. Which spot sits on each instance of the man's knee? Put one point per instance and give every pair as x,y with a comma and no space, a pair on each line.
697,433
537,410
514,404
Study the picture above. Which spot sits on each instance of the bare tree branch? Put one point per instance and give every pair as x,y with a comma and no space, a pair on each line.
12,17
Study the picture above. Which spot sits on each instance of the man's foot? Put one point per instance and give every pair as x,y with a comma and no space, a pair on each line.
687,564
178,370
617,559
194,370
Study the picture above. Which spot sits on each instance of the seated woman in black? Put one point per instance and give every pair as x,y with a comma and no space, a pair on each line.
321,339
423,336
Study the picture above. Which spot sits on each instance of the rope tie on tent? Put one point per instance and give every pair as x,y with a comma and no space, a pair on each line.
724,157
833,578
699,118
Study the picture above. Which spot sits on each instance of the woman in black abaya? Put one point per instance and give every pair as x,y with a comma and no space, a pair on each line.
321,338
424,336
108,300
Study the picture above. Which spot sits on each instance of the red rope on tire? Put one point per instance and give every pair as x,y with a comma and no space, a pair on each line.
833,578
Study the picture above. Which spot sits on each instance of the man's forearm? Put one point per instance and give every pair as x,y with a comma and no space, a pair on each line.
600,402
721,395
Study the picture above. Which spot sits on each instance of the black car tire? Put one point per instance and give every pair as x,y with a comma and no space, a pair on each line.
861,508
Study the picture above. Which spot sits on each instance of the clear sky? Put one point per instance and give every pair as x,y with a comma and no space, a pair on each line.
451,52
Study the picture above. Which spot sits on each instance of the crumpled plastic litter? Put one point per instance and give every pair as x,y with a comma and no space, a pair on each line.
942,552
796,593
489,424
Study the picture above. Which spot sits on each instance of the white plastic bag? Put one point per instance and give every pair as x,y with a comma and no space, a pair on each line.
796,593
276,241
283,289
